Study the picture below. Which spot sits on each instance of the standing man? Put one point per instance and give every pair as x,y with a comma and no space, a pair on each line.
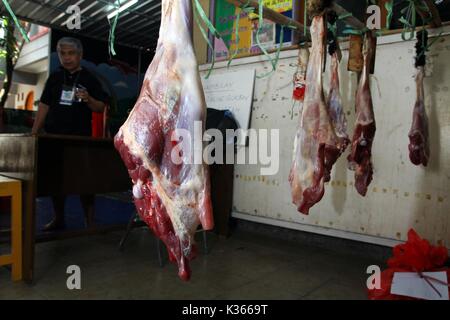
70,96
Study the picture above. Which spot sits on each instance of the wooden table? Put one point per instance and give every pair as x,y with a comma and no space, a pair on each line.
51,165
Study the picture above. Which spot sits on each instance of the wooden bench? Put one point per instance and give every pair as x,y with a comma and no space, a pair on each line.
13,189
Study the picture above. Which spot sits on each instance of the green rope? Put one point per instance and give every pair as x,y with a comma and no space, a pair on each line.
349,29
236,34
345,15
205,19
409,20
112,32
198,11
274,62
390,12
247,10
260,25
16,21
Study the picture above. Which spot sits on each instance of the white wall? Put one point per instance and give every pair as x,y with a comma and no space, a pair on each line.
23,90
42,79
401,195
32,53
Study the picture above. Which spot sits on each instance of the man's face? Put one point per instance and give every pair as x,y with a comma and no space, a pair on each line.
69,57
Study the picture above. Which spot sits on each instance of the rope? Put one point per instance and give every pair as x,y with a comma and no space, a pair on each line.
390,12
236,35
247,10
198,11
112,31
16,21
273,62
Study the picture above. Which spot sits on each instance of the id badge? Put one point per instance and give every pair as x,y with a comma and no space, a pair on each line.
67,95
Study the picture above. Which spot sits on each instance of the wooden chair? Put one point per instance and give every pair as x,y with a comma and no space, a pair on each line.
11,188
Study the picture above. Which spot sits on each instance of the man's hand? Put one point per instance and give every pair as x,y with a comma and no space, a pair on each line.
40,118
95,105
82,94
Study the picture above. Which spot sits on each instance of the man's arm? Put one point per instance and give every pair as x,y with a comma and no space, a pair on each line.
40,118
95,105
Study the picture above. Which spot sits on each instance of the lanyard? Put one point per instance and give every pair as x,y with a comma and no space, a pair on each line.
76,78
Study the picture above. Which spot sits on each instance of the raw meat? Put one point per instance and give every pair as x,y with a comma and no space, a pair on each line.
335,108
172,198
419,149
364,132
316,146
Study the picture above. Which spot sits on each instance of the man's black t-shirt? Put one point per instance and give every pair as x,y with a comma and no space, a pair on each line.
75,119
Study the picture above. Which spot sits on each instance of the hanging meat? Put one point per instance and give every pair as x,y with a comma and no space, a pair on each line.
419,149
360,158
335,107
316,146
172,197
334,102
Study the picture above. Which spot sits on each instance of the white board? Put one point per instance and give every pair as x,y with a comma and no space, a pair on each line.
232,90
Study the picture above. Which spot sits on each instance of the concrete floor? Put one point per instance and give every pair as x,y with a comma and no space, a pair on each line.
245,266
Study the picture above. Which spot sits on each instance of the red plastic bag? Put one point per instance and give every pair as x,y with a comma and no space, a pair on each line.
416,255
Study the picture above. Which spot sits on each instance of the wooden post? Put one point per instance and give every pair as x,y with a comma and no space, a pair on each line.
16,231
436,22
350,20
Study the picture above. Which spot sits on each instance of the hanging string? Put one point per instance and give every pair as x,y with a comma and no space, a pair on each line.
16,21
274,62
409,22
198,11
205,36
260,25
246,9
236,35
390,12
205,19
112,31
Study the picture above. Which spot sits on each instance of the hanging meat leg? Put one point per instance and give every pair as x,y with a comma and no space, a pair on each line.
364,132
335,108
419,149
316,145
171,196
